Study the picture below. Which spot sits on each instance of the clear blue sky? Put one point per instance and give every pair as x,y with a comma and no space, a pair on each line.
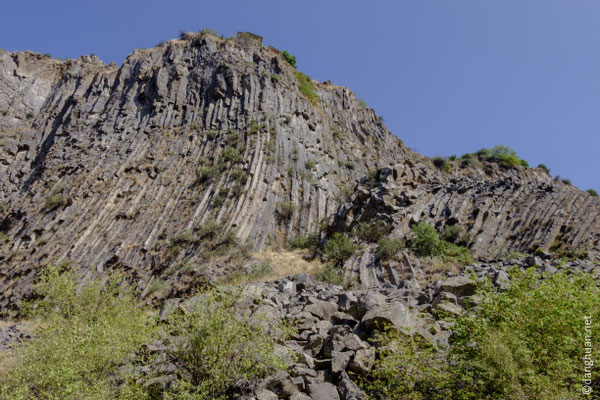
449,77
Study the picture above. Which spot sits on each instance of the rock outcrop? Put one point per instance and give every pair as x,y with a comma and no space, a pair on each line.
102,165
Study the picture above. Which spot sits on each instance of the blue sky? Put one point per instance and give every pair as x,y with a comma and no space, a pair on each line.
448,77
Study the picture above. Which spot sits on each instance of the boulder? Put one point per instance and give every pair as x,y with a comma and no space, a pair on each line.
395,314
323,391
459,286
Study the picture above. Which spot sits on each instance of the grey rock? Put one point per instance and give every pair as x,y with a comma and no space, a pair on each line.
363,361
395,314
323,391
459,286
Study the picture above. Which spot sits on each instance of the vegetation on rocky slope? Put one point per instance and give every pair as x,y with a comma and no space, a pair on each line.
525,343
89,345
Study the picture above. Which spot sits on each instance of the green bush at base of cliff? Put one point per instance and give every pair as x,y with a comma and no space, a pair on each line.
525,343
85,334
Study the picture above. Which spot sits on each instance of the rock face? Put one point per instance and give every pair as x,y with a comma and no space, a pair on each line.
501,210
102,165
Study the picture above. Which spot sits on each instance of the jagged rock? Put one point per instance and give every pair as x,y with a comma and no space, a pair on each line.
264,394
323,391
281,383
459,286
363,361
182,134
501,280
349,390
300,396
395,314
450,308
339,361
321,309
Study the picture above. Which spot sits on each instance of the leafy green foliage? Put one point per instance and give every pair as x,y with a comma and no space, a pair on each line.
543,167
592,192
442,164
339,248
285,209
502,155
426,242
289,58
309,164
55,201
362,102
307,88
221,347
309,241
3,206
231,154
387,248
208,173
530,339
332,274
372,230
85,334
524,343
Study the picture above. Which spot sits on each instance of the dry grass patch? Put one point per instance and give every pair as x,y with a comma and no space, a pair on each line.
287,263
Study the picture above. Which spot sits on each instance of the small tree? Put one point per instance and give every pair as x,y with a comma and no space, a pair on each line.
426,241
339,248
289,58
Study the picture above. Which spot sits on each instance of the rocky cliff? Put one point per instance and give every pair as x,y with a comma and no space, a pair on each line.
104,165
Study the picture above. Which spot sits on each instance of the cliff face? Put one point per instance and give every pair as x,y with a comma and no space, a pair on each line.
103,165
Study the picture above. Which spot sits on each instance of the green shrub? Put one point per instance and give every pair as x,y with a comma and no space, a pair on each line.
566,181
285,209
309,164
339,248
362,102
388,248
592,192
254,127
85,333
332,274
425,240
205,173
524,343
289,58
55,201
456,254
502,155
231,154
452,233
183,237
3,206
220,348
442,164
371,180
530,339
544,168
310,241
372,230
307,88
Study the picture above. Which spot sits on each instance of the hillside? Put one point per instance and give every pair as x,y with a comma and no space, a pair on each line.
205,162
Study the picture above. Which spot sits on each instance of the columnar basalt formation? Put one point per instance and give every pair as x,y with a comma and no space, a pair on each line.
103,165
